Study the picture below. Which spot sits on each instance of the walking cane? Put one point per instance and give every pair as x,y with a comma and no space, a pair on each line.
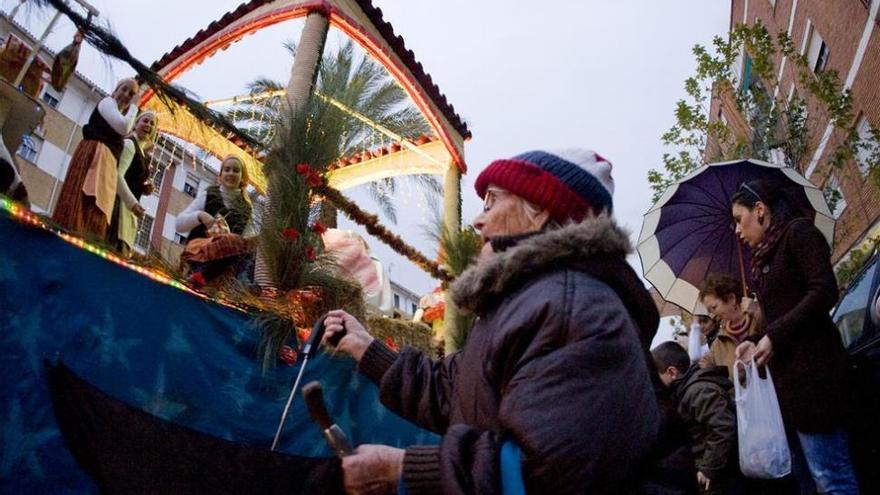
308,350
314,397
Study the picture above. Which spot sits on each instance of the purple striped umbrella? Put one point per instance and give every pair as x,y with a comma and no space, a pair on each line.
689,233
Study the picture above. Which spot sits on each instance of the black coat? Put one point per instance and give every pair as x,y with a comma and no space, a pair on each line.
809,365
556,362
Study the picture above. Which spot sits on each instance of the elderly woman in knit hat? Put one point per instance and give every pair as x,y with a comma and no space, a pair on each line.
552,390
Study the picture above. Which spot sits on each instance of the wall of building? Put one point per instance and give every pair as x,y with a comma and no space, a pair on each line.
852,38
403,300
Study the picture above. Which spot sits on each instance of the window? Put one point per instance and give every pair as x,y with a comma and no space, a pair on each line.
777,157
869,147
747,75
397,301
736,69
30,147
414,308
179,238
50,99
145,227
849,316
191,186
834,197
817,53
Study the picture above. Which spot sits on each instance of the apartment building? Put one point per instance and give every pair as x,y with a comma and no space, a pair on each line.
404,301
844,36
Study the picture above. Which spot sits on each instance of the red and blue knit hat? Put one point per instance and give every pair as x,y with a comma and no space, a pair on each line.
569,184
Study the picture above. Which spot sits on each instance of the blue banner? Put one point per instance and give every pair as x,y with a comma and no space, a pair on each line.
153,347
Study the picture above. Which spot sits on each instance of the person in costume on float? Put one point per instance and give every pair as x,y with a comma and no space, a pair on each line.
221,230
556,370
795,283
133,181
722,296
85,204
10,181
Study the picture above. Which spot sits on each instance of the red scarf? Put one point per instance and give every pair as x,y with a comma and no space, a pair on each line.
739,333
761,252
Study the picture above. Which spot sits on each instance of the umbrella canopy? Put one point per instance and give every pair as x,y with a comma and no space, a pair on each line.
689,233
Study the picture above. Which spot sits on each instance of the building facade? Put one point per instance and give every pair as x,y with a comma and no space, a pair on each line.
843,36
404,301
44,156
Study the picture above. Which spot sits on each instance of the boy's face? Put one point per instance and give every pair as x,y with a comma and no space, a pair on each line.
669,375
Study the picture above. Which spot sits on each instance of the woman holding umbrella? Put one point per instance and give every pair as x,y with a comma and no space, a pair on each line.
792,274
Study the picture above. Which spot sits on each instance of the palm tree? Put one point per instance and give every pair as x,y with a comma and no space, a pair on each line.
364,87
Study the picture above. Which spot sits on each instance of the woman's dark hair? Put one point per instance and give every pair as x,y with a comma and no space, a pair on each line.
722,286
774,198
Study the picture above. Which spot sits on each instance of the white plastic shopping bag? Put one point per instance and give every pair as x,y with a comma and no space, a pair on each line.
763,448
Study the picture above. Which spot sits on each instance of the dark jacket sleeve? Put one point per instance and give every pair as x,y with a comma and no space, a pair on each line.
709,405
577,400
412,384
811,256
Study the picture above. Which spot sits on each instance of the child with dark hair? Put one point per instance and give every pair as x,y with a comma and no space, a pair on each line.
702,400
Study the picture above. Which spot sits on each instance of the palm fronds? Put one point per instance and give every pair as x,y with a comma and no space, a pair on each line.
361,85
459,250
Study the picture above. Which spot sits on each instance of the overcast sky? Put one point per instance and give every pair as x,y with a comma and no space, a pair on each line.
603,75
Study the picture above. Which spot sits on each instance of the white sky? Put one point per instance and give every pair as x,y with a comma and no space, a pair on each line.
603,75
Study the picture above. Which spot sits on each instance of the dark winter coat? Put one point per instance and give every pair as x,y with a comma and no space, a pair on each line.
556,363
809,364
702,398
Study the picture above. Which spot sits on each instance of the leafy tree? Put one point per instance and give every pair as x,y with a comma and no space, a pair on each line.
775,124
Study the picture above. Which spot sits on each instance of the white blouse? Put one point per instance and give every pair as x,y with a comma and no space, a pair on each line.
188,219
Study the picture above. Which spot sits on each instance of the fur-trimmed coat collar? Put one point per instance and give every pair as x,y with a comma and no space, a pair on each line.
596,246
547,251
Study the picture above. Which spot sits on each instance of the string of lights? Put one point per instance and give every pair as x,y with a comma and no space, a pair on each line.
25,216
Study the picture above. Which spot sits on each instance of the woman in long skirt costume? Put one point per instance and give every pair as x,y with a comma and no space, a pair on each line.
85,204
133,182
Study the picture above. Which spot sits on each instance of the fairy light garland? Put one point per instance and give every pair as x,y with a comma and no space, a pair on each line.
24,215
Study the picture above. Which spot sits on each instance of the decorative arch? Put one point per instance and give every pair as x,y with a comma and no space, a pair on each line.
359,20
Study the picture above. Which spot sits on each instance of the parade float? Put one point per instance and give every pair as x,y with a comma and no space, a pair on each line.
123,376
